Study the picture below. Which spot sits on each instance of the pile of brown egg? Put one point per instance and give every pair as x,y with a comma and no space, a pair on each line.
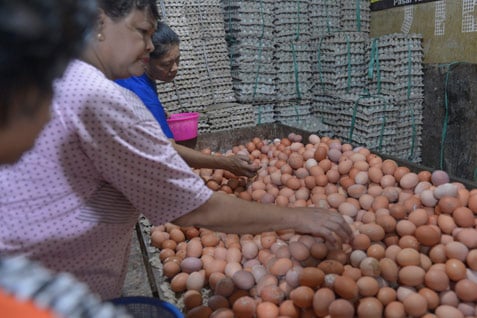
414,251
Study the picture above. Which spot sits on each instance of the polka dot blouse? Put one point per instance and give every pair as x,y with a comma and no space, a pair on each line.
72,201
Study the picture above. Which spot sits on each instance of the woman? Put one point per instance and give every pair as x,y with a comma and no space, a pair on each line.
103,159
30,61
163,65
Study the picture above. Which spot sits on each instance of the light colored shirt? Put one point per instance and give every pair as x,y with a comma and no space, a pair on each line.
72,201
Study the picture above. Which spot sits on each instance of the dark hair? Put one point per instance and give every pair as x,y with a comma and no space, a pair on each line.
117,9
38,38
162,39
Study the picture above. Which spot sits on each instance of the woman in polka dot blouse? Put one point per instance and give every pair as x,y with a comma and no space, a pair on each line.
30,61
103,159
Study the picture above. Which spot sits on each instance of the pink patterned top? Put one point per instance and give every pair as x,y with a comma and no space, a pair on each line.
72,201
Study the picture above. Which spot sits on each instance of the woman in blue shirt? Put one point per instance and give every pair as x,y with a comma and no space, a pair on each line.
163,65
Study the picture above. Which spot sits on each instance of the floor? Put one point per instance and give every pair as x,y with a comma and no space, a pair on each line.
137,283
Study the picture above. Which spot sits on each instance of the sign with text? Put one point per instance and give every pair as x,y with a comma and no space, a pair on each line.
387,4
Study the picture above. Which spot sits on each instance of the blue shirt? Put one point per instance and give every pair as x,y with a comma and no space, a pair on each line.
145,89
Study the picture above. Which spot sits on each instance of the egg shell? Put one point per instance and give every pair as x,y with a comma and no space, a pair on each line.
202,311
394,309
466,290
373,231
217,301
267,310
389,269
408,180
436,280
331,267
341,308
370,267
445,311
428,235
439,177
299,251
415,305
192,298
178,282
370,307
311,276
386,295
191,264
302,297
367,286
455,269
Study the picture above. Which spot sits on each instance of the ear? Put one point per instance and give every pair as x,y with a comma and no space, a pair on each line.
100,20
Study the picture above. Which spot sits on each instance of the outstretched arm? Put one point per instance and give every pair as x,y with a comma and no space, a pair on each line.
226,213
239,164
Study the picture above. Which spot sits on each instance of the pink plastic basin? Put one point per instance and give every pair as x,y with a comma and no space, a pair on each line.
184,126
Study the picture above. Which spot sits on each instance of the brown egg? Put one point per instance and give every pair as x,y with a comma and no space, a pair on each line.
445,311
302,296
415,305
267,310
202,311
311,276
322,300
436,280
428,235
346,288
411,275
288,309
394,309
389,269
373,231
466,290
431,297
341,308
455,269
280,266
370,307
331,267
464,217
367,286
386,295
408,256
448,204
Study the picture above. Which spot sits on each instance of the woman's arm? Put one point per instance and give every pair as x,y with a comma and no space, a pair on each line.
239,165
226,213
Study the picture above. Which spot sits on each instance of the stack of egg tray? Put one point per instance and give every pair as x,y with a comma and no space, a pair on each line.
187,94
292,20
325,17
368,121
292,113
409,127
264,113
398,58
294,70
327,109
355,15
206,21
230,116
340,63
249,33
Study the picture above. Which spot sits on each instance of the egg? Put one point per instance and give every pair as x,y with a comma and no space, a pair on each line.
370,307
346,288
302,296
341,308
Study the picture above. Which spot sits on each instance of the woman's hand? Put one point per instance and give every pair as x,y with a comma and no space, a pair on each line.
241,165
325,223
